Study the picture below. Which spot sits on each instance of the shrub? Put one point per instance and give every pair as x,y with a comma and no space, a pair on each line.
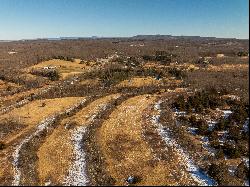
66,58
213,136
8,88
148,72
161,56
240,113
242,53
221,125
192,120
164,57
179,74
220,173
231,150
219,154
217,171
2,145
224,91
243,147
202,61
53,75
118,59
114,75
183,118
234,133
215,144
200,124
242,171
70,59
199,101
202,127
148,57
179,103
59,57
132,61
84,62
245,135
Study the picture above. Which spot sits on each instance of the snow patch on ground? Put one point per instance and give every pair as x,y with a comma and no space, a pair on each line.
231,169
222,136
12,52
199,176
205,144
226,113
246,161
192,130
211,124
102,108
246,125
77,175
47,183
246,183
180,113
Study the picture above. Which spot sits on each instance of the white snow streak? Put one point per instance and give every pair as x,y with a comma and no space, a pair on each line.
226,113
44,124
246,125
77,175
200,177
41,127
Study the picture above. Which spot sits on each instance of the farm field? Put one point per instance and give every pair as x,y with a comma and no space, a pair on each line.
124,112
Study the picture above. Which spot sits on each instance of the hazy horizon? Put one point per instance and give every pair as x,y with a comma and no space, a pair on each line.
33,19
68,37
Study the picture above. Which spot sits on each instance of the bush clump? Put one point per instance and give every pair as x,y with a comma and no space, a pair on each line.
231,150
220,173
221,125
242,53
66,58
179,74
199,101
2,145
202,127
200,124
242,171
114,75
219,154
148,57
240,113
52,74
180,103
160,56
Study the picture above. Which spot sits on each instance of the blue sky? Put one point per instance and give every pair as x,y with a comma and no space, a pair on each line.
23,19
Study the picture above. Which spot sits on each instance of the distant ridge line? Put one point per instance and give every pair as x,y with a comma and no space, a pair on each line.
140,37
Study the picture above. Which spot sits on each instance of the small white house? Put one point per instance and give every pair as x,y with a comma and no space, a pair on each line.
12,52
